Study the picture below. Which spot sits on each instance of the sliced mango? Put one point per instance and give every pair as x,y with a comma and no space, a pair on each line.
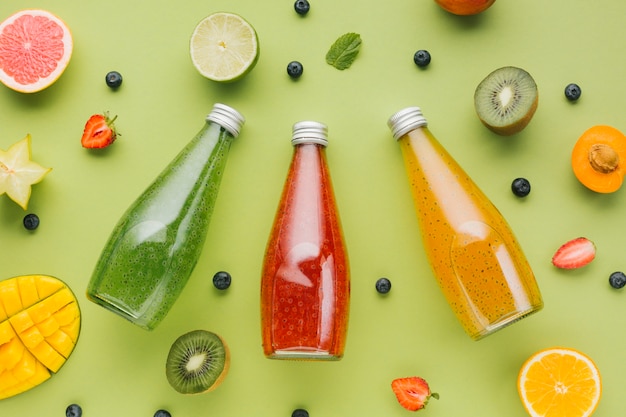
3,314
10,297
39,328
6,332
14,386
28,290
48,326
25,368
7,381
21,321
31,337
46,285
11,353
67,314
61,342
72,329
49,357
53,303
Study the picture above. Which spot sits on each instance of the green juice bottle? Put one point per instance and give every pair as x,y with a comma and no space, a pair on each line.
157,242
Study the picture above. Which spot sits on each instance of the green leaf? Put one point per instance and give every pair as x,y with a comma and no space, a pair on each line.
343,52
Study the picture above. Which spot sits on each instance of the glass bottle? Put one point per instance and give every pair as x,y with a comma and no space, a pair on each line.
156,244
305,284
475,257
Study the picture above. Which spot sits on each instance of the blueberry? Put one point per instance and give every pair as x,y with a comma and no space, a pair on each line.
520,187
302,7
383,285
421,58
222,280
300,412
572,92
617,280
31,221
295,69
113,79
162,413
73,410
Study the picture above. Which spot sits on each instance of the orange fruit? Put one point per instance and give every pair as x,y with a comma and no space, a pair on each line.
35,48
559,382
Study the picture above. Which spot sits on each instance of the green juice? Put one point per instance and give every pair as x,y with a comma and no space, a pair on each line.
156,244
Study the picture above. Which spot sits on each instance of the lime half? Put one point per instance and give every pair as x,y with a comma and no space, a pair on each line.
224,47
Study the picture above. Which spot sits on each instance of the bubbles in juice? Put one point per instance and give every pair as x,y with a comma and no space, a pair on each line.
475,257
305,279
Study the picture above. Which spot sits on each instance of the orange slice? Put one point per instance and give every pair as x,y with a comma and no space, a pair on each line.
559,382
38,331
35,48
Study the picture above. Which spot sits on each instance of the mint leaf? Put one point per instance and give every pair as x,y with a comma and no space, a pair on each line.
343,52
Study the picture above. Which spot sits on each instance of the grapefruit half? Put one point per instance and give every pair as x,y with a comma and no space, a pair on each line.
35,48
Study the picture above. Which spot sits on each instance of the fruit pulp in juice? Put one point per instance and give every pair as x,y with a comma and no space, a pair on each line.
305,280
155,246
477,260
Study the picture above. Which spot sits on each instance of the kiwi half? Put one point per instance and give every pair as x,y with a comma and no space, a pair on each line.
198,362
506,100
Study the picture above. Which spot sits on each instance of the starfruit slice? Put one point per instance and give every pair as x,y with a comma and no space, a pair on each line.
39,328
18,173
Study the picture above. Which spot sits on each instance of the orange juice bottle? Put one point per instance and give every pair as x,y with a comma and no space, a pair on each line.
474,255
305,282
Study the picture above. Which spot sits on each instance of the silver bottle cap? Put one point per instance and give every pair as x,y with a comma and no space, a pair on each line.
227,117
406,120
310,132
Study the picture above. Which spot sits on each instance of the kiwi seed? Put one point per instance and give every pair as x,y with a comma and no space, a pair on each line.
506,100
198,361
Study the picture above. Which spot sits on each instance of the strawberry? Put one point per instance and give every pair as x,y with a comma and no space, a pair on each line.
574,254
413,393
99,132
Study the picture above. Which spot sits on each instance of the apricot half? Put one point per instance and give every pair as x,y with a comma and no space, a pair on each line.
599,159
39,327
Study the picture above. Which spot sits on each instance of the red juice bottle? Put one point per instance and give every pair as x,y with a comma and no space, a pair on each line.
305,284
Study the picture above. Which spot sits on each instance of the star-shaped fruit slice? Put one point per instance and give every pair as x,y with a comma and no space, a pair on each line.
18,172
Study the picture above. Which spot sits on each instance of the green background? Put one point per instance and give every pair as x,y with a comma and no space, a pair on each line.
118,369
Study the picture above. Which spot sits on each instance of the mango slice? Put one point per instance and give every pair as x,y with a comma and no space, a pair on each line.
39,328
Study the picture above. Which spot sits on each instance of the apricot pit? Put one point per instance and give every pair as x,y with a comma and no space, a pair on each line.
598,158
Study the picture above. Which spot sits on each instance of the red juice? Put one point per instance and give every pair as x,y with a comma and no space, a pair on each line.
305,285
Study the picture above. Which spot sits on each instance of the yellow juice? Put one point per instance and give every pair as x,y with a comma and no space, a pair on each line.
475,257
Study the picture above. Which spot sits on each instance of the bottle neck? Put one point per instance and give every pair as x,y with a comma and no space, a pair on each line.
406,120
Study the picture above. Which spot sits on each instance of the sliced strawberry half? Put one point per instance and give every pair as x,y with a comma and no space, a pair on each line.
574,254
99,131
412,393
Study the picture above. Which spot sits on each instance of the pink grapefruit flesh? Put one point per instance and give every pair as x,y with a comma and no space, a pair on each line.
35,48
